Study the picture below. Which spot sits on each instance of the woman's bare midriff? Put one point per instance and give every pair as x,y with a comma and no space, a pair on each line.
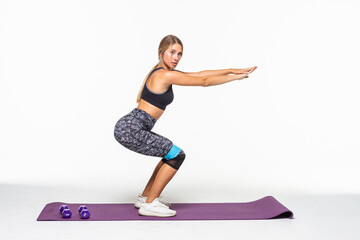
150,109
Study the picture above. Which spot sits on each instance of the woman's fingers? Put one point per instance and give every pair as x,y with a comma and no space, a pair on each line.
244,70
250,70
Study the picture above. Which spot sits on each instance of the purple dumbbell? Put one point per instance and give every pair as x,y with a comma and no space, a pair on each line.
84,212
62,207
66,213
81,208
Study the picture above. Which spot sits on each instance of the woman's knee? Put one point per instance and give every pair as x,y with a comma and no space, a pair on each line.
175,157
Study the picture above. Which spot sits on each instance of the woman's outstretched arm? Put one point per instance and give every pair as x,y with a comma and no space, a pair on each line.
179,78
220,72
221,79
206,73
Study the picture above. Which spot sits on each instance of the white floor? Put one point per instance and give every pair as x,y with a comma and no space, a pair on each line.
316,217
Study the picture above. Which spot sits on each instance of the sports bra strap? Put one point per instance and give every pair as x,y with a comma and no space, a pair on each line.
153,72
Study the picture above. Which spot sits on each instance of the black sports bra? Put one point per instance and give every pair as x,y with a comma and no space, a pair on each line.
160,100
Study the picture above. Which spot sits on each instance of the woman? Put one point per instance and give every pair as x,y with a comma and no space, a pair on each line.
133,130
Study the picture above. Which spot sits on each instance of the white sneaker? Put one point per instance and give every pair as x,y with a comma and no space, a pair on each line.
156,209
140,200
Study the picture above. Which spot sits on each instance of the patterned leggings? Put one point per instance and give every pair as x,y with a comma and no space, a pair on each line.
133,131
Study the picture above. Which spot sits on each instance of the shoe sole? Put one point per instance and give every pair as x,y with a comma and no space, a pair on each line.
144,212
138,205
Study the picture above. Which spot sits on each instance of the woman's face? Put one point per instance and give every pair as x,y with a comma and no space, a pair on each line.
172,55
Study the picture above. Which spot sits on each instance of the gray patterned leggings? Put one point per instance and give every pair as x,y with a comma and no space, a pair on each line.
133,131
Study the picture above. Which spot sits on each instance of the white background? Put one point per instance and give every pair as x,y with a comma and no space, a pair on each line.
70,69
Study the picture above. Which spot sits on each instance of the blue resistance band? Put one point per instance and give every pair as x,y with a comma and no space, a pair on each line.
174,151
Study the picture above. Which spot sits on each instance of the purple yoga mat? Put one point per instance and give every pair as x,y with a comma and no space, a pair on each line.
265,208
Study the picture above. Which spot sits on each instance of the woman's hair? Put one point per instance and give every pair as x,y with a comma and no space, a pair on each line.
164,44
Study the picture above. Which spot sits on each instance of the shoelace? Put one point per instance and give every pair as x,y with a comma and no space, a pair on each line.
161,204
158,204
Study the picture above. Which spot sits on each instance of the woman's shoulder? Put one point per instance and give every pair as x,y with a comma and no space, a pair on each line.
158,78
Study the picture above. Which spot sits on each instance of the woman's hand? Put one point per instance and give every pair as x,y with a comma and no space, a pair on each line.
243,70
241,76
